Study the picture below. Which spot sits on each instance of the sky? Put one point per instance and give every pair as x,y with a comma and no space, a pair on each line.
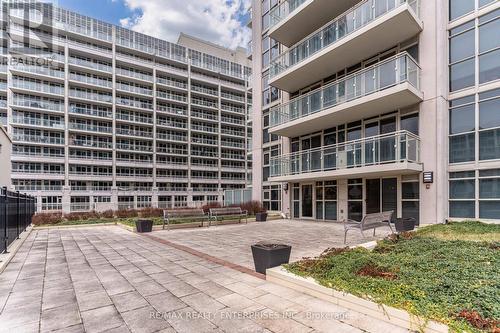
218,21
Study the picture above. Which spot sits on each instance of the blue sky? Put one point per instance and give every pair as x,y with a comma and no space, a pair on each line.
107,10
219,21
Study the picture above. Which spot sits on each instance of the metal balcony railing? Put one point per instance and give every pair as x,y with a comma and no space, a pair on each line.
396,147
336,30
279,13
388,73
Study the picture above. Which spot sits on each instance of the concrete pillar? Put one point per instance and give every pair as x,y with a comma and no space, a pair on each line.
66,200
342,209
154,198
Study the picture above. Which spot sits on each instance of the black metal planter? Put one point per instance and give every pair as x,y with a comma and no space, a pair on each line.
405,224
261,217
144,225
270,255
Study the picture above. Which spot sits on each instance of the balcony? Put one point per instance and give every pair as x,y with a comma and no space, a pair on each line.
387,154
290,21
347,40
391,84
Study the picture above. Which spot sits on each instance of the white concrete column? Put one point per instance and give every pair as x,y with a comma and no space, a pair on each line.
342,208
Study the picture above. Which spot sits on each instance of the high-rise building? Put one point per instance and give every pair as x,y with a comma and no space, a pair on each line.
103,117
377,105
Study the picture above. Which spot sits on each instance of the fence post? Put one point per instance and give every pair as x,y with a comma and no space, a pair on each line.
5,232
18,213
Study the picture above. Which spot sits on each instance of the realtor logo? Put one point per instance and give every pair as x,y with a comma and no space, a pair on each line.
28,28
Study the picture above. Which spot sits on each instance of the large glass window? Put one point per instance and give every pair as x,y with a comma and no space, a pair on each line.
462,130
489,194
326,200
463,45
489,125
462,194
459,8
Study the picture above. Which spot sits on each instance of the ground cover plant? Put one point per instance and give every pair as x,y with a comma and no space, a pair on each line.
448,273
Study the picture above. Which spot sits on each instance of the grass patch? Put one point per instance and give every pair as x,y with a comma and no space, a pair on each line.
448,273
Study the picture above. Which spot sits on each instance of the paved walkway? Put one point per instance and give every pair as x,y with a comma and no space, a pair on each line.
107,279
232,242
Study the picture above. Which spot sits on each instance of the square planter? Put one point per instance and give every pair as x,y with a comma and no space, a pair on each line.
405,224
270,255
144,225
261,217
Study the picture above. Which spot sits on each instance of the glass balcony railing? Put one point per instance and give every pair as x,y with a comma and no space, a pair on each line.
279,13
37,122
336,30
388,73
396,147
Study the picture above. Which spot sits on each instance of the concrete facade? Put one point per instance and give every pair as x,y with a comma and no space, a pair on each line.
119,119
366,96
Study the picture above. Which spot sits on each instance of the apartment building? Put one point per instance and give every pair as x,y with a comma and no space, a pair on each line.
118,119
376,105
5,153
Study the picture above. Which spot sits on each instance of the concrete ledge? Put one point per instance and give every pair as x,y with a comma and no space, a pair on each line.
401,318
5,258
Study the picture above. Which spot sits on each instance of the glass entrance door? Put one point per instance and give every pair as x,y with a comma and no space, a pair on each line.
307,201
381,195
372,196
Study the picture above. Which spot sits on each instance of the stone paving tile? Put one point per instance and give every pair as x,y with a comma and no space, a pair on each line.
108,279
101,319
129,301
143,320
89,301
203,303
188,320
165,302
59,318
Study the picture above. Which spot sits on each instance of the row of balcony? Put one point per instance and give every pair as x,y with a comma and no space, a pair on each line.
370,27
394,152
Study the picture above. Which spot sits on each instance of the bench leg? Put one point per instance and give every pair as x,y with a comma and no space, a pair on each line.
345,235
374,231
362,234
390,227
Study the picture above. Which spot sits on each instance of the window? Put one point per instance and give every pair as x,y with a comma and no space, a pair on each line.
489,194
459,8
489,125
462,60
462,127
462,194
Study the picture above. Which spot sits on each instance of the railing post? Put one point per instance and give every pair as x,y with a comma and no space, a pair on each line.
6,224
18,213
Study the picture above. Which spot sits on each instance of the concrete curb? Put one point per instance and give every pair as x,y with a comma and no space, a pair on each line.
5,258
309,286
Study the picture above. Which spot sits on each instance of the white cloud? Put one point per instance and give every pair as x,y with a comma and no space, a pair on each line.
212,20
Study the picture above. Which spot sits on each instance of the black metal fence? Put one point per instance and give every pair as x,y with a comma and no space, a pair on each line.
16,210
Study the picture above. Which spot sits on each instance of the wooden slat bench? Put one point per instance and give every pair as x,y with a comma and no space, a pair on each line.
369,221
216,213
184,214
